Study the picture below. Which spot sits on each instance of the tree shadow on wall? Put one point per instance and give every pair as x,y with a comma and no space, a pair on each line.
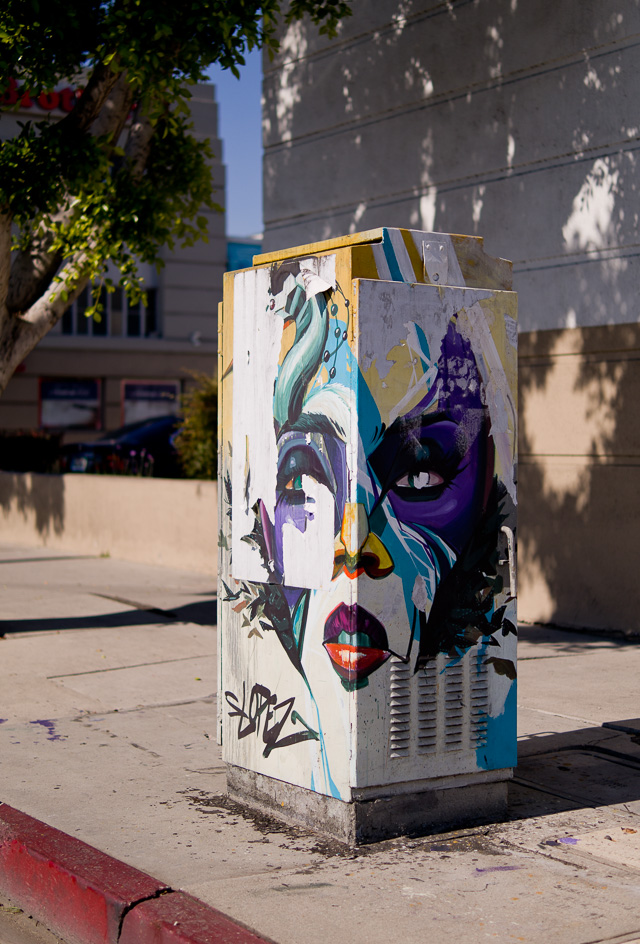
30,500
579,445
447,117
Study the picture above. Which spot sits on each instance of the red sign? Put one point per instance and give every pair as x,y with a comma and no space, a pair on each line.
64,99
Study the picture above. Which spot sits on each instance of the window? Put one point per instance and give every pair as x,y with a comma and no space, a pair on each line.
119,318
133,320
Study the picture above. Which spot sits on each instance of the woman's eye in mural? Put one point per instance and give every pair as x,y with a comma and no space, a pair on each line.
419,481
295,464
423,482
419,458
423,466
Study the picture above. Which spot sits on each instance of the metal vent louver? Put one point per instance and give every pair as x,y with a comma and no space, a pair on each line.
479,700
454,707
400,709
441,708
427,709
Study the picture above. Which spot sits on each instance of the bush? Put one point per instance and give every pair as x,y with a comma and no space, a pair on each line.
197,437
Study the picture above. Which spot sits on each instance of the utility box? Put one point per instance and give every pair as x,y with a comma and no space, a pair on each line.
367,612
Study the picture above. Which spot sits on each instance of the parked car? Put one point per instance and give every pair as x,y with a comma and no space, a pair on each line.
142,448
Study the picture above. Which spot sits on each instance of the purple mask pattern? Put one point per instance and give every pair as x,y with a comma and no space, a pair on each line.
434,462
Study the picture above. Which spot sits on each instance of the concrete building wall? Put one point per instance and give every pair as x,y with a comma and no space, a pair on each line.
503,119
107,359
190,284
509,119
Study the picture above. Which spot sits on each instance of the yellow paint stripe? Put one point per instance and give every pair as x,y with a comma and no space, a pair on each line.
341,242
363,265
225,327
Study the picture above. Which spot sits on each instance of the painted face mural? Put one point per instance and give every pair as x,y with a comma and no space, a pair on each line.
365,529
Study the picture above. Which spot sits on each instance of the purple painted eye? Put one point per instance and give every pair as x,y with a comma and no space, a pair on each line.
272,304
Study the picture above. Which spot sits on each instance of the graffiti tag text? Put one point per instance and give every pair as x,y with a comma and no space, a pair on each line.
266,713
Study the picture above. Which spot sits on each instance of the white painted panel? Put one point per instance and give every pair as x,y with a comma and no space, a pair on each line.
256,347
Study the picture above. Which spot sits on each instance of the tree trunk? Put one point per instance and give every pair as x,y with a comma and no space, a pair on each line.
19,333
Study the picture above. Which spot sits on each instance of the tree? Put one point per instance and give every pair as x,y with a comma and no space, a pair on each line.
120,175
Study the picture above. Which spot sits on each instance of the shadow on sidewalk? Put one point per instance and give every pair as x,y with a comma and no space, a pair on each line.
581,769
572,641
202,612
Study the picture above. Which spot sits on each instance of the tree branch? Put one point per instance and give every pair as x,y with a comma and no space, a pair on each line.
115,110
32,269
90,104
31,273
139,145
47,310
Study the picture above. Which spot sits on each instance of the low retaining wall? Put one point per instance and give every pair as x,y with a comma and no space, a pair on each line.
155,521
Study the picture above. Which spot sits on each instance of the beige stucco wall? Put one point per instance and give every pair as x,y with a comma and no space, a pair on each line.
579,471
172,522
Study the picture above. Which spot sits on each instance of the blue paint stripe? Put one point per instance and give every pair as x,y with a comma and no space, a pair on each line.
390,256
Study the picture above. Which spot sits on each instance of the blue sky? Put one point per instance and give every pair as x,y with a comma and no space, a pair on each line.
239,126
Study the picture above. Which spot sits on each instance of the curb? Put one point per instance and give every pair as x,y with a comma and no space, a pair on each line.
88,897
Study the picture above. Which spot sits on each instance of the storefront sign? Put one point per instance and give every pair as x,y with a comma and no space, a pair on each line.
143,399
70,404
61,99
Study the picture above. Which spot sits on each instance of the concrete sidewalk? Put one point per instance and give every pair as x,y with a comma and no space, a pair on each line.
107,698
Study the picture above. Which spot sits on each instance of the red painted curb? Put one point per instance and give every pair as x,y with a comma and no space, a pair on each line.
180,919
77,891
82,894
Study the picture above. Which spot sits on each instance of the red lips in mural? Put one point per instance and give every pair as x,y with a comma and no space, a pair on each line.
355,641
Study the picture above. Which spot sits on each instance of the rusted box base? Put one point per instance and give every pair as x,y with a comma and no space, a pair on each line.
375,815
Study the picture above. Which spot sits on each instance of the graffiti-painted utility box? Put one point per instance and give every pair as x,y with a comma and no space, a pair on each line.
367,514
